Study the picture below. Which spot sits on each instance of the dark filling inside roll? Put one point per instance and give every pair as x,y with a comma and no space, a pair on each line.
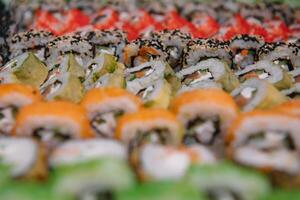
197,76
203,131
285,63
146,92
53,136
269,141
104,124
294,95
104,195
222,194
244,57
174,55
7,119
155,136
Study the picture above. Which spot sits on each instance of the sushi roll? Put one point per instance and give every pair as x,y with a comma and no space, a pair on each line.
145,75
173,41
205,114
22,68
52,122
157,95
228,181
142,50
154,162
257,94
105,105
32,40
65,86
91,169
245,49
213,71
286,55
57,48
108,41
24,157
269,71
160,191
269,141
12,98
203,49
149,126
104,70
70,65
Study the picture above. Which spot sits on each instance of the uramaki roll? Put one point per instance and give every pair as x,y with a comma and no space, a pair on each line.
52,121
268,141
205,114
12,98
104,105
149,126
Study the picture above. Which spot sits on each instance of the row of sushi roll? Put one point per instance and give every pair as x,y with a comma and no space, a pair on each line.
110,146
257,74
274,21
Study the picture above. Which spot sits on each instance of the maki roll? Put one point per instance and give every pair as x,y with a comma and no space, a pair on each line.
104,70
286,55
174,42
105,105
245,49
228,181
108,41
205,115
70,65
257,94
203,49
149,126
141,51
52,122
139,78
269,71
157,95
64,86
27,69
25,158
268,141
32,40
160,191
12,98
211,71
57,48
91,169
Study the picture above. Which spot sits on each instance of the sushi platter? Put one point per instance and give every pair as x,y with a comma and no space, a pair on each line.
150,100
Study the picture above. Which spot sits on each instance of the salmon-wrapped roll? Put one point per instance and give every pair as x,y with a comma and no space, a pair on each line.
268,141
13,97
105,105
205,114
149,126
24,157
52,122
